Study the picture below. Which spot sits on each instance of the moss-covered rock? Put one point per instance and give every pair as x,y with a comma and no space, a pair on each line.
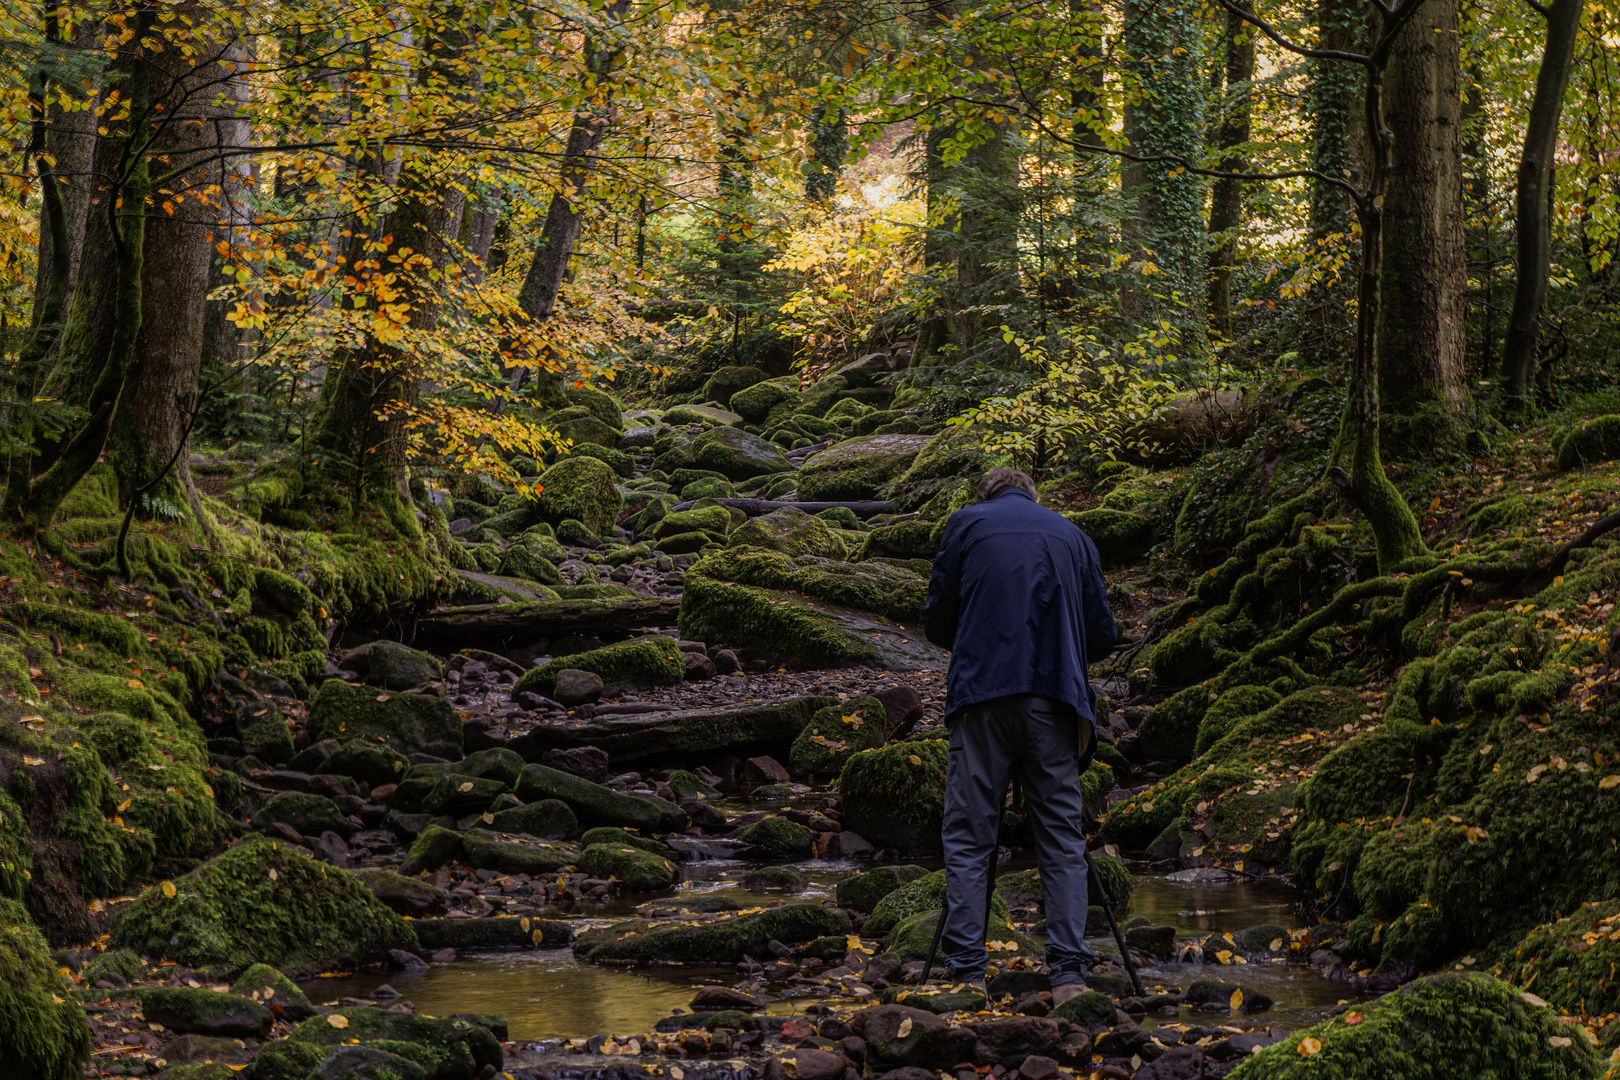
409,723
516,854
790,531
708,487
263,983
395,667
647,661
44,1034
522,561
858,468
365,762
495,763
755,402
835,733
915,539
505,932
912,936
446,1049
608,834
863,891
894,591
701,414
1231,707
635,870
263,902
1121,537
917,897
582,489
721,938
597,805
1588,442
206,1012
584,430
548,819
726,381
779,838
407,895
715,519
455,795
622,464
603,405
736,454
894,796
1438,1028
305,814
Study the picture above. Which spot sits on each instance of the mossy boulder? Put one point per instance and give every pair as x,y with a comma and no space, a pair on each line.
407,895
495,763
701,414
522,561
582,489
456,795
1569,961
1121,537
916,897
548,819
409,723
446,1049
393,666
779,838
608,834
863,891
835,733
263,983
263,731
635,870
720,938
1231,707
44,1034
206,1012
912,936
858,468
307,815
915,539
433,847
1588,442
726,381
602,405
646,661
516,854
894,796
1438,1028
713,519
597,805
755,402
263,902
583,430
708,487
790,531
622,464
736,454
365,762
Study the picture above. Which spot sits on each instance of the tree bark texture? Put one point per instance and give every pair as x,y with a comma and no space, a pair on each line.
1534,194
1164,43
1338,148
1422,332
1226,195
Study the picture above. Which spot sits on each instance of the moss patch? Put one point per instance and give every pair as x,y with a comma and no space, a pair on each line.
894,796
834,734
647,661
44,1034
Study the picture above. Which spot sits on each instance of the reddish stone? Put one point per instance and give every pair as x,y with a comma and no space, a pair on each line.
764,770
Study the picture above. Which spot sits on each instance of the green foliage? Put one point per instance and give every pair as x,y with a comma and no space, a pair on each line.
44,1034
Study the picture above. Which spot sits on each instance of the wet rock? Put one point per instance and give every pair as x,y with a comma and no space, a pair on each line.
775,878
1092,1010
724,997
496,763
902,709
1215,995
266,985
367,1063
863,891
726,662
407,895
456,795
309,759
435,846
1268,938
330,846
934,999
449,935
548,819
698,667
778,838
705,816
1157,941
263,731
1009,1042
706,732
894,795
1177,1063
834,734
196,1049
764,770
588,762
395,667
410,723
371,763
461,1050
843,845
574,687
636,870
206,1012
709,939
597,805
806,1064
900,1035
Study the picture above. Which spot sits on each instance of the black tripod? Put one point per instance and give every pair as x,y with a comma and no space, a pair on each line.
990,894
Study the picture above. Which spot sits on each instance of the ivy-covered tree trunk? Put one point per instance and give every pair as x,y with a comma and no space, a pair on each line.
1422,333
1338,148
1533,195
1226,194
1164,44
829,143
985,247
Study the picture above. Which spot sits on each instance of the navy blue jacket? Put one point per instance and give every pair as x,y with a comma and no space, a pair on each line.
1019,598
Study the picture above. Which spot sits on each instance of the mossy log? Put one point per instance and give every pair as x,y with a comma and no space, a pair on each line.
501,625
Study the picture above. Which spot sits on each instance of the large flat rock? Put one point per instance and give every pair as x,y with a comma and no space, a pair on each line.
642,736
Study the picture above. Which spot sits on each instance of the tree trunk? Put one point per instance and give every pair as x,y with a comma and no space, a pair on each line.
829,142
1089,21
1164,46
565,216
1534,195
1338,148
1226,196
1424,279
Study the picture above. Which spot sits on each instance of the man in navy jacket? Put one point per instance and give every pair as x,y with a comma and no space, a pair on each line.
1019,599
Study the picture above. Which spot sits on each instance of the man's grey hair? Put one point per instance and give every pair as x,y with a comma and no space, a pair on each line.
1003,477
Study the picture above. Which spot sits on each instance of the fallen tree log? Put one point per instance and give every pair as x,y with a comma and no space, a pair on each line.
756,507
500,626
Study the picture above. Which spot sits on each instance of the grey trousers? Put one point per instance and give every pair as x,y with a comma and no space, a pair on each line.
1040,740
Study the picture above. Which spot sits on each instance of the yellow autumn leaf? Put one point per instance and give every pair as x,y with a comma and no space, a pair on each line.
467,786
338,1020
33,760
913,759
1608,782
1558,1040
1235,1002
852,721
1224,956
134,683
168,889
1532,999
904,1029
273,874
1353,1018
1309,1045
125,805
